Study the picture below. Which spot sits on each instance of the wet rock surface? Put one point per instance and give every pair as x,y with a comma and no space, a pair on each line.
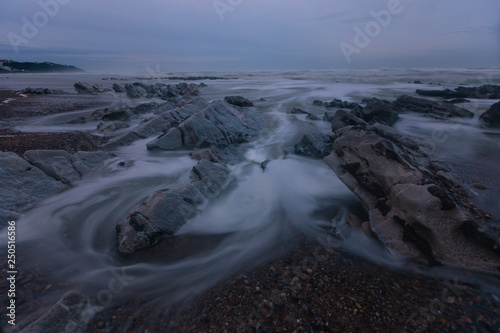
316,145
238,101
412,211
431,108
492,116
487,91
378,111
166,211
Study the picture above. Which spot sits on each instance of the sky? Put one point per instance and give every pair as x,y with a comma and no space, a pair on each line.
251,35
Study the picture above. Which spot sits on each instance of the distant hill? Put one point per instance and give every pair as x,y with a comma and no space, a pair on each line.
10,66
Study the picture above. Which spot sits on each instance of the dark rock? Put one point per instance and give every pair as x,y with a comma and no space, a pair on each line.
411,210
342,118
169,141
317,145
122,114
39,91
338,103
312,116
55,163
166,211
318,103
458,101
85,88
119,89
380,111
417,82
431,108
23,185
149,107
78,120
85,162
238,101
264,164
219,154
107,127
492,116
135,91
486,91
298,111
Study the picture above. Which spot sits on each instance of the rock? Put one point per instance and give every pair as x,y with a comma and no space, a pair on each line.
417,82
119,89
298,111
342,118
220,123
312,116
71,314
23,185
77,120
107,127
55,163
380,111
166,211
238,101
492,116
486,91
431,108
317,103
354,221
317,145
85,88
149,107
122,114
169,141
219,154
135,90
161,90
85,162
39,91
458,101
410,209
338,103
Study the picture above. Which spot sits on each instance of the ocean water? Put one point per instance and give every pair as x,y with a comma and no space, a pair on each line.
74,233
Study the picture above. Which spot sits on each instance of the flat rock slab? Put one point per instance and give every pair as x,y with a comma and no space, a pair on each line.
55,163
163,213
23,185
317,145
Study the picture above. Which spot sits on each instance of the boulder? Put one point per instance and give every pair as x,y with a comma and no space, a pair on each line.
119,89
431,108
107,127
492,116
172,140
238,101
338,103
487,91
122,114
165,212
342,118
379,111
23,185
55,163
85,88
317,145
85,162
135,91
411,210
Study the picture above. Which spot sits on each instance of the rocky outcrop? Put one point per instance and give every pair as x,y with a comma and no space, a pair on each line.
338,103
219,123
23,185
55,163
316,145
431,108
85,88
492,116
238,101
119,89
40,91
163,213
71,314
158,90
378,111
487,91
413,209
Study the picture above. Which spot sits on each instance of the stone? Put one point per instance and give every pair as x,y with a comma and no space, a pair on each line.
492,116
23,185
85,88
165,212
107,127
316,145
411,210
487,91
86,162
122,114
342,118
238,101
380,111
55,163
338,103
169,141
119,89
431,108
135,91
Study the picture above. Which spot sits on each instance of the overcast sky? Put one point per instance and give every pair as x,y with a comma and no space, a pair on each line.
227,35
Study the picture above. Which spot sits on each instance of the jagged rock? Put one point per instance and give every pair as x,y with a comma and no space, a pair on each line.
487,91
135,90
410,209
314,145
298,111
55,163
122,114
238,101
220,123
458,101
343,118
312,116
380,111
85,162
149,107
71,314
221,154
166,211
107,127
492,116
119,89
40,91
161,90
318,103
85,88
431,108
23,185
338,103
169,141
